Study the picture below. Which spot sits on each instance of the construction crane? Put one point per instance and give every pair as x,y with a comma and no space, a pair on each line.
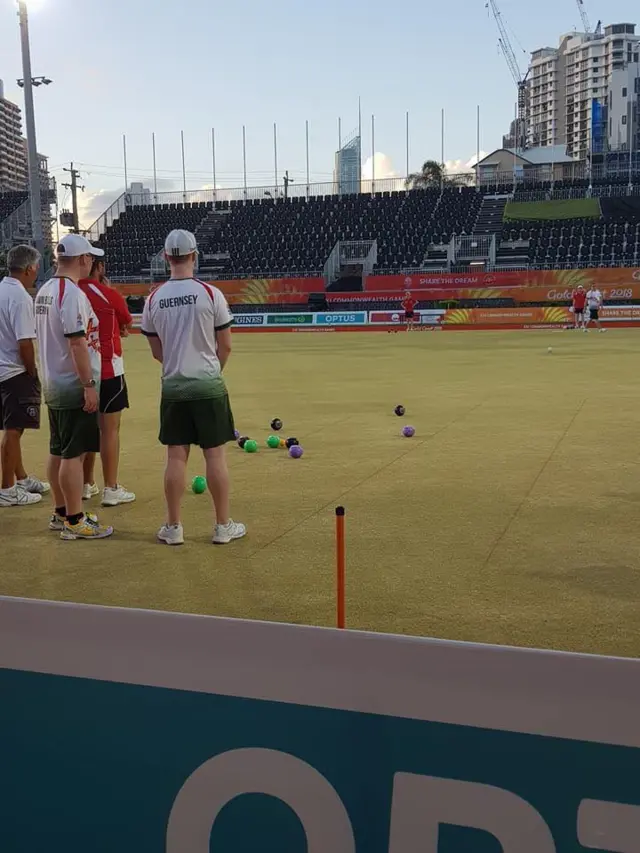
519,79
583,14
585,21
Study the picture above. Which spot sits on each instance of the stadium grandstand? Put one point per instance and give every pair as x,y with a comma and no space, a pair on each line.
579,223
338,242
317,243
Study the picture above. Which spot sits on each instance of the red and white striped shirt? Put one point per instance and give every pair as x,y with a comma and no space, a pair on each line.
112,313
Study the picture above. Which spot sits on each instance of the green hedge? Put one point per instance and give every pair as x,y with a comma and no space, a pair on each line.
572,208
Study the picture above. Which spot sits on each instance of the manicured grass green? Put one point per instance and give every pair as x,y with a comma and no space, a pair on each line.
511,517
573,208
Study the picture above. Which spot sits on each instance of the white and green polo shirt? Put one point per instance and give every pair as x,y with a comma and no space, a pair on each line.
63,312
186,314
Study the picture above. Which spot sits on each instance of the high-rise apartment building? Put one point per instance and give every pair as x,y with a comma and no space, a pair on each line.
585,94
14,169
13,160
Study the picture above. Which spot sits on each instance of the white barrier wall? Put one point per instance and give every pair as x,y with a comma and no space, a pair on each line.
134,731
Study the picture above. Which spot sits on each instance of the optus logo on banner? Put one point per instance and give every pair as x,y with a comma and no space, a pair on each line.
354,318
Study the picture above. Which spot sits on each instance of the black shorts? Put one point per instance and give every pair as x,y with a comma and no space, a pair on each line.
206,423
20,402
114,395
409,315
593,313
73,433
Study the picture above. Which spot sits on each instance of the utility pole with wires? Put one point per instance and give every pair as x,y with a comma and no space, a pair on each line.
71,220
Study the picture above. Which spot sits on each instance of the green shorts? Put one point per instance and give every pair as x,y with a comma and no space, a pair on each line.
73,432
207,423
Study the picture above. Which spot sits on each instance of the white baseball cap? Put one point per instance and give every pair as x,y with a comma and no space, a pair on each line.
180,243
74,245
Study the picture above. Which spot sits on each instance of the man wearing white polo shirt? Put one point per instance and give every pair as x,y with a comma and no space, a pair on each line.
69,347
188,325
19,383
594,304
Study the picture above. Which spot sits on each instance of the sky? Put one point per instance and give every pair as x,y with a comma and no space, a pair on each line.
134,67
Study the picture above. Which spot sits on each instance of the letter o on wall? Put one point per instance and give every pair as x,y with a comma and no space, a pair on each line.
258,771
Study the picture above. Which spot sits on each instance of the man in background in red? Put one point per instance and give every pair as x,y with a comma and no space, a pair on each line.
408,306
114,320
578,301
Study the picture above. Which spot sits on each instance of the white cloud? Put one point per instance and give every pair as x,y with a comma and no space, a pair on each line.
455,167
383,167
93,205
384,171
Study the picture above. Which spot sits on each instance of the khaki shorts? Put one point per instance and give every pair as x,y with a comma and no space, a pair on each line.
205,423
73,433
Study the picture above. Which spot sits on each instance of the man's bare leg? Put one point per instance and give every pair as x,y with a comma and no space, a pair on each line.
53,475
110,448
71,480
11,456
218,482
175,481
89,468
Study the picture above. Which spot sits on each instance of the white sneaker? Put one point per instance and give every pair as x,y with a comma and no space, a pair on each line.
89,491
117,496
225,533
603,330
171,534
17,496
34,486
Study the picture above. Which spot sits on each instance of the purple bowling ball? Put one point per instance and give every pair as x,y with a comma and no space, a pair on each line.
296,451
409,431
236,433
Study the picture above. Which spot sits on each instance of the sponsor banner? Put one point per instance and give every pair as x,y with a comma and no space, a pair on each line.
355,318
620,277
517,293
249,319
259,291
423,317
352,742
522,287
262,291
506,316
289,319
617,313
555,294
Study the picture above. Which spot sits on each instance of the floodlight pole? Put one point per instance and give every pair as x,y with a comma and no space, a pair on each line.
30,122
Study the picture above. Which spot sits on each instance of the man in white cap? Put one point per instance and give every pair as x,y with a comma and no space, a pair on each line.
188,325
67,330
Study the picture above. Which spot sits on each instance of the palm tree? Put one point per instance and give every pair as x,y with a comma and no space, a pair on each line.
431,175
